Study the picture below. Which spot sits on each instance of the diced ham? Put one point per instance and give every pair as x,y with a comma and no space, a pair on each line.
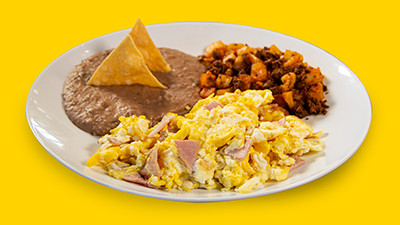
212,105
151,166
281,122
114,140
187,151
137,179
298,163
240,153
160,126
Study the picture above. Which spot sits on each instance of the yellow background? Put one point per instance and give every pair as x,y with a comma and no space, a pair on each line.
35,187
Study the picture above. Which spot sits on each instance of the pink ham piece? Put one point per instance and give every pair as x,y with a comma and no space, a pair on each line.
160,126
114,141
212,105
137,179
298,163
151,166
240,153
281,122
187,151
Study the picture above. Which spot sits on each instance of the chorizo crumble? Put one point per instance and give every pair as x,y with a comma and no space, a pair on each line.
297,87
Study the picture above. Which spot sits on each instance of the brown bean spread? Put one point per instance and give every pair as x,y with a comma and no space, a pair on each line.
96,109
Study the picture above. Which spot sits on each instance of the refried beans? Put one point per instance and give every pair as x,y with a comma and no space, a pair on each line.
96,109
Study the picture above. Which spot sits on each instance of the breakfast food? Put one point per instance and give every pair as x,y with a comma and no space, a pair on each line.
96,109
126,81
138,97
131,62
296,86
125,65
153,58
236,141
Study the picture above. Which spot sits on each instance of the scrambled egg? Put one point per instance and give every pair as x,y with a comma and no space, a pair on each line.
276,141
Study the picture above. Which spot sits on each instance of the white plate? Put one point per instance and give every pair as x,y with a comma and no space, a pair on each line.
346,123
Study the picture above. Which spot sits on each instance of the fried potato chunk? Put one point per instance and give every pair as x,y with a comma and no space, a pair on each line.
297,87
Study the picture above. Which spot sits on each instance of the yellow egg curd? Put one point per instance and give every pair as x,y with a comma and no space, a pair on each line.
240,141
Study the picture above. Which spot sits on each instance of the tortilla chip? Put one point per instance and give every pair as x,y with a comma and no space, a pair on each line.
146,46
124,66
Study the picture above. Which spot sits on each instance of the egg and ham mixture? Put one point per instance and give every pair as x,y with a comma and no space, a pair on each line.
236,141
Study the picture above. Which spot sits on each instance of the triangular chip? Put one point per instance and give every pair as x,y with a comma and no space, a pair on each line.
146,46
124,66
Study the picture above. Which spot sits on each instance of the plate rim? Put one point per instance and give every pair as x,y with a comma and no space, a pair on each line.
214,199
